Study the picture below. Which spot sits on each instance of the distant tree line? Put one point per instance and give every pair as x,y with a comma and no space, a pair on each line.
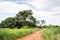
50,26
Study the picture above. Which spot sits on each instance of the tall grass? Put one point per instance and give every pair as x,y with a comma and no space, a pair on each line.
13,34
51,33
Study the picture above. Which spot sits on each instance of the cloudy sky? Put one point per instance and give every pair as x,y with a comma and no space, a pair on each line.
48,10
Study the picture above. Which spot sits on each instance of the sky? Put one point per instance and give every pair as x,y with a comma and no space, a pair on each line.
48,10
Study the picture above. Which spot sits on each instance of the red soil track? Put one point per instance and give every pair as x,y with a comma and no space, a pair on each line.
33,36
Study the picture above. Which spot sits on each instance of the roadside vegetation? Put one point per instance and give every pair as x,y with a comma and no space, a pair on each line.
25,23
51,33
13,34
22,24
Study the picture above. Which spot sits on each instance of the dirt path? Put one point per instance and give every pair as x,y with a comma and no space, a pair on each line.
33,36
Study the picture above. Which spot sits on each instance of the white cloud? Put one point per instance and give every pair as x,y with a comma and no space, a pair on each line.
39,4
9,9
45,9
12,7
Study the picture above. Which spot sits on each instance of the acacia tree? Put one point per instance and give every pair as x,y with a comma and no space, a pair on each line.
31,18
24,14
20,20
42,22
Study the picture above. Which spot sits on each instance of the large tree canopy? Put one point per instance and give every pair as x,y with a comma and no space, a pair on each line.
24,14
20,20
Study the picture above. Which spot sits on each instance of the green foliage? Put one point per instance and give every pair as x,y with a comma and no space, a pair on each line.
30,24
13,34
25,27
0,25
22,18
27,14
24,14
32,19
51,33
42,22
9,22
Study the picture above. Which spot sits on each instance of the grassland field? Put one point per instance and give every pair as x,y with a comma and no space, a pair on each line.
52,33
13,34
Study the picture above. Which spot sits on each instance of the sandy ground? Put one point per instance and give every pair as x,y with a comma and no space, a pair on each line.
33,36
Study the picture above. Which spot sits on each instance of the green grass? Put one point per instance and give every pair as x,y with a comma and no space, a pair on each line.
51,33
13,34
